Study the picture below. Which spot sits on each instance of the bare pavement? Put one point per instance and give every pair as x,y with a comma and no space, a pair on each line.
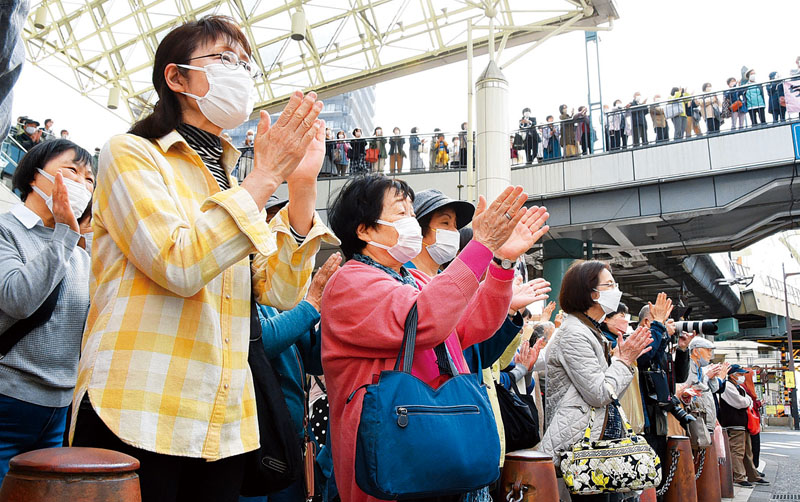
780,462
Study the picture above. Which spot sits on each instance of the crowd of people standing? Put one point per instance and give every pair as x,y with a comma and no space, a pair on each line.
164,310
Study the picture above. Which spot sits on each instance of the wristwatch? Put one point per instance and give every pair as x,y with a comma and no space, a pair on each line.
505,264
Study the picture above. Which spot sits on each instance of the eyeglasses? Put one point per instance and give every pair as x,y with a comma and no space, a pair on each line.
609,285
231,60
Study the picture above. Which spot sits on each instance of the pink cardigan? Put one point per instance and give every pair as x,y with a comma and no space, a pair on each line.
364,311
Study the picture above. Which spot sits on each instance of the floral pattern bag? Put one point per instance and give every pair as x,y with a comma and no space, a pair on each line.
610,465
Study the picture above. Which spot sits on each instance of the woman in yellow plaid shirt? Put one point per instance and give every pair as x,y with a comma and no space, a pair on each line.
163,374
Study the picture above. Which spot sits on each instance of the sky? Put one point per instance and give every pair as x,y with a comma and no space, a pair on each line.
652,47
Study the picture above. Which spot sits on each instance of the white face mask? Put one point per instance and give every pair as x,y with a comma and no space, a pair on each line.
79,196
446,246
409,239
740,379
609,300
230,97
752,78
30,129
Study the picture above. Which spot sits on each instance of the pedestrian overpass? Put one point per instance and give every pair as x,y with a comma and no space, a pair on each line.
655,212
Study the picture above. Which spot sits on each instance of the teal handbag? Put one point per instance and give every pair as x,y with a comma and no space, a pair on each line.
415,441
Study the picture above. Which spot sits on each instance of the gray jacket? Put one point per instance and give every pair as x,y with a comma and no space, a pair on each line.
578,378
707,386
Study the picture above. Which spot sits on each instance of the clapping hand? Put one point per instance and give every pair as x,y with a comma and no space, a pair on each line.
523,294
314,296
630,349
547,311
528,355
492,225
278,149
684,339
529,230
662,309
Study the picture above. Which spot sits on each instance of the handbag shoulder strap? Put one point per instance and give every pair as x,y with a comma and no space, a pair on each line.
409,341
19,329
615,403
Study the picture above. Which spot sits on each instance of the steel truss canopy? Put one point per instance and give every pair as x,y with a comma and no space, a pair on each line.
104,48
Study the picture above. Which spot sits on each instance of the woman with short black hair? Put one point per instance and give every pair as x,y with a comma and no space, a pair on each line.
44,296
581,372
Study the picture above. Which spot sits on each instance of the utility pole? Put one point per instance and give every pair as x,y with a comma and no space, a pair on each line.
790,356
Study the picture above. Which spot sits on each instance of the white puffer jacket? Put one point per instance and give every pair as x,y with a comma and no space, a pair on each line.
578,377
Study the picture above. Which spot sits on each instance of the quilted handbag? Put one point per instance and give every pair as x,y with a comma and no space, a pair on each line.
610,465
414,441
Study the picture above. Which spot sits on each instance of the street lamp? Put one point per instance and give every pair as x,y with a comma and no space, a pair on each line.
793,391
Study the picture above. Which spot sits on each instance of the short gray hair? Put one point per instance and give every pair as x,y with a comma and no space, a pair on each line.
644,314
541,329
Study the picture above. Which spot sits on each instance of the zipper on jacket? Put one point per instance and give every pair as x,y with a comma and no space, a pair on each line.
419,409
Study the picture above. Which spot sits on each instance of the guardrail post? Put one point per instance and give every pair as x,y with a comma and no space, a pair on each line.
682,488
528,476
72,474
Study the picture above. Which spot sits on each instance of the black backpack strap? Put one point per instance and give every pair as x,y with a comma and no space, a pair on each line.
19,329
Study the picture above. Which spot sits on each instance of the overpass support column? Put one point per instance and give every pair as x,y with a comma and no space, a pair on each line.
493,162
558,255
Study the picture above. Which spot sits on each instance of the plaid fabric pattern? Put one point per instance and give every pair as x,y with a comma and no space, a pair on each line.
164,352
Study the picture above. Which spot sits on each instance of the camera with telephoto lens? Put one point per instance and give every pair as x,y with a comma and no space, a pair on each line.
658,391
704,327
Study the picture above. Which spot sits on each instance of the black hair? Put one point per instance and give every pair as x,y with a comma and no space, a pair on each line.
621,309
177,47
706,85
64,131
47,120
38,156
674,90
357,129
375,132
413,130
341,132
360,202
464,126
464,237
549,117
526,109
729,80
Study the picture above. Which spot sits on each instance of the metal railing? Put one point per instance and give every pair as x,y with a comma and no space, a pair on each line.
348,156
743,106
11,152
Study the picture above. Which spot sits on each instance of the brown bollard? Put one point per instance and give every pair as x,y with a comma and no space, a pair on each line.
72,475
648,495
528,476
726,470
708,486
682,488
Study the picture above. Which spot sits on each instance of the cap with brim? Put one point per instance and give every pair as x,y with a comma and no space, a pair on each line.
735,368
700,343
428,201
31,121
274,200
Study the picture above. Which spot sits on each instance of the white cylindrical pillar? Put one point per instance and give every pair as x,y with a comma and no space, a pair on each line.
493,157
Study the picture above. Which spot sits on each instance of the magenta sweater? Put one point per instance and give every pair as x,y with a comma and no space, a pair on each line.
364,311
